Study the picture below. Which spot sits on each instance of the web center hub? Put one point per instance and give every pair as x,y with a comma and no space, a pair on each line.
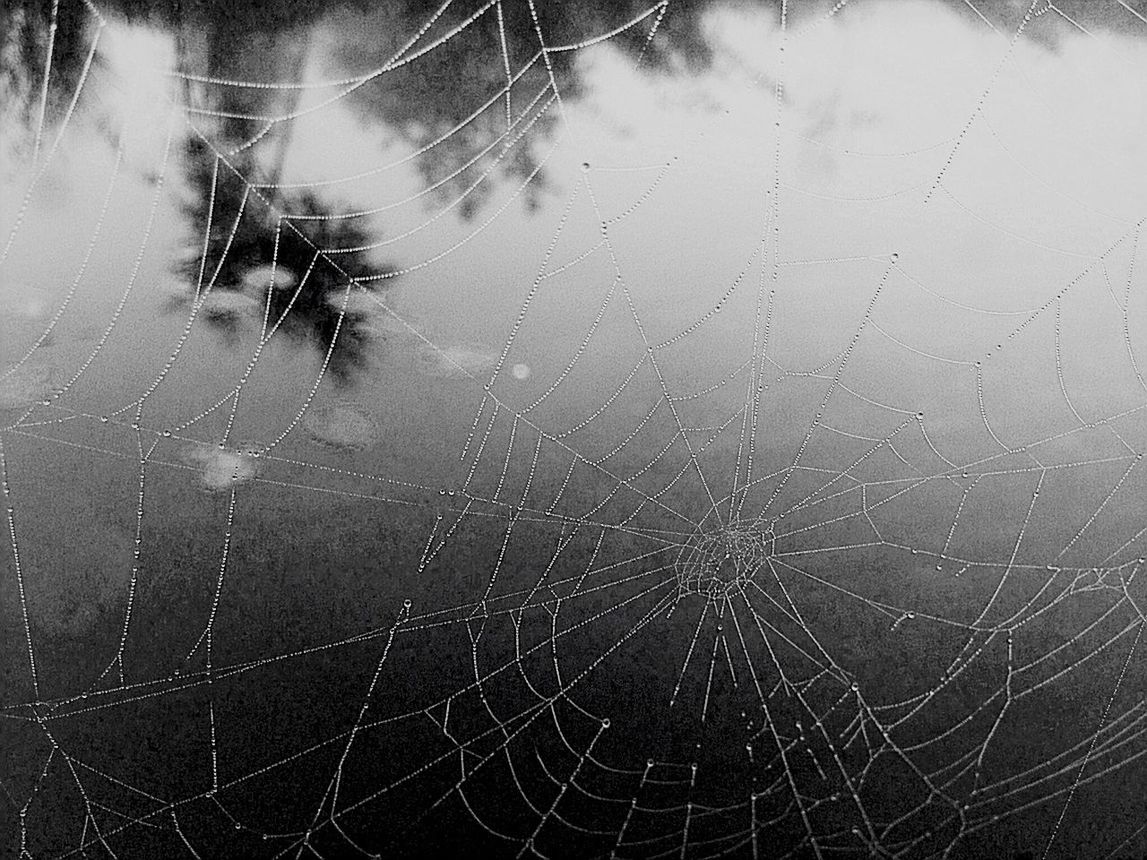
719,561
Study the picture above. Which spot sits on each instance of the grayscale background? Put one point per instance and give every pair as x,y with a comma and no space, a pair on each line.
573,428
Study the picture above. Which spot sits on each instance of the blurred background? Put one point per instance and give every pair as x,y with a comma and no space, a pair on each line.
573,429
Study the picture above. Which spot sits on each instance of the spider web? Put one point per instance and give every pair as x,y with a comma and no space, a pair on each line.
666,432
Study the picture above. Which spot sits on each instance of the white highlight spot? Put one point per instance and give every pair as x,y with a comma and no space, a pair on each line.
262,278
464,361
520,371
222,468
223,304
341,426
22,386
